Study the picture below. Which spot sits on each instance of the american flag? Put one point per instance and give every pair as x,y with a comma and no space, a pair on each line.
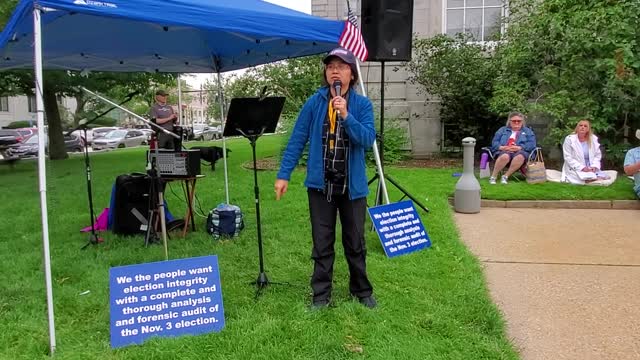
351,38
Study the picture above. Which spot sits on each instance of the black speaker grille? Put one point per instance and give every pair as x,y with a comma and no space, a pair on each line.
387,27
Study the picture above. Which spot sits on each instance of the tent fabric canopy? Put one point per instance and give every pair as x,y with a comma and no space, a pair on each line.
193,36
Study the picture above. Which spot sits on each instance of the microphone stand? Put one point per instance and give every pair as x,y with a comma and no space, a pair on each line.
160,195
93,237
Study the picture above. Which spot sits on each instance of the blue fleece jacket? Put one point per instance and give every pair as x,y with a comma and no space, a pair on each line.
526,139
308,129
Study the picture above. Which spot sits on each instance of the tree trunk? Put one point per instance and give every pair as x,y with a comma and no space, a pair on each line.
57,150
81,100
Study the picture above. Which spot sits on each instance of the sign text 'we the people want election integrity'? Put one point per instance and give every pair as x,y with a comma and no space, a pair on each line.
168,298
399,228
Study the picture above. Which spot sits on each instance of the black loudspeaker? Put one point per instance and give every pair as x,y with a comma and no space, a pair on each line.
387,28
131,204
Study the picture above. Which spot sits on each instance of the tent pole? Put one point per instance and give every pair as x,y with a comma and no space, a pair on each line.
179,101
376,154
42,176
224,142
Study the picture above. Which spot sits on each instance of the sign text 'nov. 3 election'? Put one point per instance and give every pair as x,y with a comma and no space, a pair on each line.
167,298
399,228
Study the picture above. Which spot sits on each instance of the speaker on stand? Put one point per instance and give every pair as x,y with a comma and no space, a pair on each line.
387,28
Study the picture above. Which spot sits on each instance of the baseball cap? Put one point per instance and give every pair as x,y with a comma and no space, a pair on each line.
162,92
341,53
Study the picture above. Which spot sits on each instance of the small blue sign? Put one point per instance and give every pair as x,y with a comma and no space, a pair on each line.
168,298
399,228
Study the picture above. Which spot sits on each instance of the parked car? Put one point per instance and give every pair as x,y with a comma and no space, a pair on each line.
26,132
147,133
89,138
29,148
205,132
101,132
119,139
10,137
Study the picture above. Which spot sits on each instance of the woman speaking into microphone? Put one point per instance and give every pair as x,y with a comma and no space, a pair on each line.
337,123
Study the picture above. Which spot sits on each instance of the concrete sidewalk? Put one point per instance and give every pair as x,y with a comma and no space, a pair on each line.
567,281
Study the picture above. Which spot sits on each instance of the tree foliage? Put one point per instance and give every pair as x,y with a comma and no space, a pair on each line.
461,74
67,83
572,59
295,79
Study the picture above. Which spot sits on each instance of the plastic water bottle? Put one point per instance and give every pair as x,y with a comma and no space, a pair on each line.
484,160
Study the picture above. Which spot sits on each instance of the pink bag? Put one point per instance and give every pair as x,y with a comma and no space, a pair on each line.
102,222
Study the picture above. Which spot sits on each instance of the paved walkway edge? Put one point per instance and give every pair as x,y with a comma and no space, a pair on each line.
561,204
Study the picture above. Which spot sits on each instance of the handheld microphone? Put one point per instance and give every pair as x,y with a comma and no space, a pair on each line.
337,86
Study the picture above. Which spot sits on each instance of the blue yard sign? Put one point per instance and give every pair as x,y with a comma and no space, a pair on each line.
168,298
399,228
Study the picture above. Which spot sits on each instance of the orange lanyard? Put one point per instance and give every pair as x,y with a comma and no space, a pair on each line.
332,123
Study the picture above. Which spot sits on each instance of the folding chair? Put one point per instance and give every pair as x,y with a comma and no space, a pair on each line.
485,166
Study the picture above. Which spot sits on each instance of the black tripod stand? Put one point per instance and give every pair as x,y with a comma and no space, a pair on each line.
158,191
381,151
151,236
251,118
93,237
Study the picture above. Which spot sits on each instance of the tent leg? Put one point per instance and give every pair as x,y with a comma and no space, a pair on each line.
224,142
42,176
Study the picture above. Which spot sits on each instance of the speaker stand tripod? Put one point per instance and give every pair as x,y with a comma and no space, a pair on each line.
155,173
381,151
156,204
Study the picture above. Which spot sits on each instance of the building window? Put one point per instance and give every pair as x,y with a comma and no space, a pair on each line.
482,19
32,103
4,103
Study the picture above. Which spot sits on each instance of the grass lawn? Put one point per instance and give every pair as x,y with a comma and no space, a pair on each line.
621,189
433,304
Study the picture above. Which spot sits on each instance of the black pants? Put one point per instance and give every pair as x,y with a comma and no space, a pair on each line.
165,141
323,228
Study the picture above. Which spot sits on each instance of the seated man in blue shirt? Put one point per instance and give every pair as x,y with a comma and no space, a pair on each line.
632,165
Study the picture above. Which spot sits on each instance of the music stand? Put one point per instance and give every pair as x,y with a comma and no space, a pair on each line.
251,118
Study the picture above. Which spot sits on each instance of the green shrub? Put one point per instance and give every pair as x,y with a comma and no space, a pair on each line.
20,124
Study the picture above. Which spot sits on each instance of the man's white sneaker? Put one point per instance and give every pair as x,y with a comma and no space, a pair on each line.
503,180
492,180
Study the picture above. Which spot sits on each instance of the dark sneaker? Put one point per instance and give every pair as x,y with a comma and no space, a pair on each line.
368,301
319,304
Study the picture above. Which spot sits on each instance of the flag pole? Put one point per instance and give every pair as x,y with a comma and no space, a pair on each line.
376,154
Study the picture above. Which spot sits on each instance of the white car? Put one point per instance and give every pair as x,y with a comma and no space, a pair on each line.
100,132
120,138
88,139
205,132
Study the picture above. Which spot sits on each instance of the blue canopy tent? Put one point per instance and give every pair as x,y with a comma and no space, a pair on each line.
174,36
149,35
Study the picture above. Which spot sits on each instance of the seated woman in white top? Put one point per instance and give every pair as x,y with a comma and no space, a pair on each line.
582,155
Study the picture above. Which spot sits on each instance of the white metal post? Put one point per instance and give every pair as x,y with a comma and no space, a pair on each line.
42,176
223,122
376,153
179,101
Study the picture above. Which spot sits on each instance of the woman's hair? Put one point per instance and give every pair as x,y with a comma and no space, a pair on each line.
519,114
354,76
589,133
